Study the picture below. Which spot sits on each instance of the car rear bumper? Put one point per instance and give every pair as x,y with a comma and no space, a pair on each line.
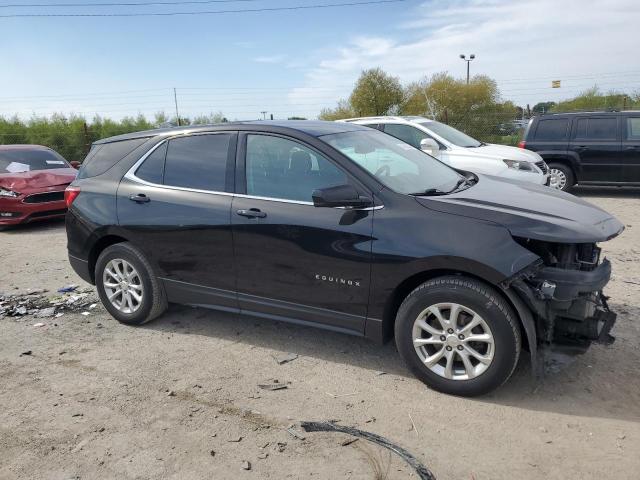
14,211
81,267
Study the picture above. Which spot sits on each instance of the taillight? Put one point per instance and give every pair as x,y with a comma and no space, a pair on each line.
522,144
70,195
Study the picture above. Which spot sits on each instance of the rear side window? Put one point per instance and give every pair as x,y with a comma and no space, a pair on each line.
152,169
198,162
633,128
105,155
407,134
552,130
596,128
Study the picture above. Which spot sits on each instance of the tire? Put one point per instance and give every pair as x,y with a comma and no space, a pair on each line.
475,300
144,284
566,178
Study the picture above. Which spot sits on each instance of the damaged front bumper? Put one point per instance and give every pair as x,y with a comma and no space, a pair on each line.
569,307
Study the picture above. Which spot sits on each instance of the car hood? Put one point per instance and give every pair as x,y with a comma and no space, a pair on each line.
37,180
504,152
530,211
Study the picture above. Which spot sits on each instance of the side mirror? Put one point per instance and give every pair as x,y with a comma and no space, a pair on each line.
339,196
430,146
75,164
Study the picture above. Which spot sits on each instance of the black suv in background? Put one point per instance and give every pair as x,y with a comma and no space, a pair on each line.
346,228
594,148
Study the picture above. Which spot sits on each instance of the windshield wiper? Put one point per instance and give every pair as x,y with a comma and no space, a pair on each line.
429,192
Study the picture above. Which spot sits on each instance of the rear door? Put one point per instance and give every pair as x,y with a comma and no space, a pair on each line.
596,140
296,261
631,147
175,205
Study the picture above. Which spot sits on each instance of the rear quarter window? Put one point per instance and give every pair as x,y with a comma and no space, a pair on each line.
552,130
103,156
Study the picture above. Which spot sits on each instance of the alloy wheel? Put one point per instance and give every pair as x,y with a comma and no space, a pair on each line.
123,285
558,179
453,341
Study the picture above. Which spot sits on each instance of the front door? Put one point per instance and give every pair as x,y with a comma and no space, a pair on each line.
175,206
597,142
296,261
631,148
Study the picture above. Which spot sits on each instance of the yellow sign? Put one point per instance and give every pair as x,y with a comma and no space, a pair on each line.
555,84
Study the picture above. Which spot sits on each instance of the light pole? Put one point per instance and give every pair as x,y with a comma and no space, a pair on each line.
471,57
264,114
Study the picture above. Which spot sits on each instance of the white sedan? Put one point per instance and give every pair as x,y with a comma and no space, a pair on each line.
461,151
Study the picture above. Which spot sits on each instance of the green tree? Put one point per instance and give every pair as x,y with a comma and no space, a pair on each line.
376,93
542,107
342,110
593,99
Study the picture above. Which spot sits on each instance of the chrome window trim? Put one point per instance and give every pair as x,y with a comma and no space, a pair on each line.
130,175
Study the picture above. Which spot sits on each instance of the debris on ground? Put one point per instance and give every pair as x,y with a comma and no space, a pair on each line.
35,303
295,433
274,385
37,325
68,288
348,442
423,472
285,358
246,465
263,455
26,353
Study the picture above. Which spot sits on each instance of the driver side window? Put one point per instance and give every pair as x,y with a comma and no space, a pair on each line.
283,169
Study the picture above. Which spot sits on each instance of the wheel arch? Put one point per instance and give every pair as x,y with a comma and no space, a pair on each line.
98,247
569,159
523,315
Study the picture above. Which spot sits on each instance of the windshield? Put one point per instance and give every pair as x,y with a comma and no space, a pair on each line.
452,135
19,160
399,166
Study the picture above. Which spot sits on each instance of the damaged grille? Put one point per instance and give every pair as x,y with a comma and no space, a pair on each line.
568,256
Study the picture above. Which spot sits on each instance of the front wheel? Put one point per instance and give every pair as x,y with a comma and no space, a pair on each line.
561,177
127,285
458,335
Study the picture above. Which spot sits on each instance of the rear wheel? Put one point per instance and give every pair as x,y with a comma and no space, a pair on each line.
458,335
127,285
561,177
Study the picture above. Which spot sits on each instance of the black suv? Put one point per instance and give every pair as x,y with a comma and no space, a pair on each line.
343,227
595,148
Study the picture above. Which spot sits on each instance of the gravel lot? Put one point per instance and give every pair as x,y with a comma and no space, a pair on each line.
99,400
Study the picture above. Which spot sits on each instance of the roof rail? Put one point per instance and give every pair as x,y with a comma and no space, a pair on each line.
379,117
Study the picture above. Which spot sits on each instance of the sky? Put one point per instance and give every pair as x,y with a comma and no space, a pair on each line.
295,62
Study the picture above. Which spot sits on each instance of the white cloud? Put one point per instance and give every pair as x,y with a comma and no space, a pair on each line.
522,44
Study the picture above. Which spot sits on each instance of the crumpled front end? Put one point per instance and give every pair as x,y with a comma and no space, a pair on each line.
565,293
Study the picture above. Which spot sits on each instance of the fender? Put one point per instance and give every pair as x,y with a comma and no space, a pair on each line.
529,326
564,156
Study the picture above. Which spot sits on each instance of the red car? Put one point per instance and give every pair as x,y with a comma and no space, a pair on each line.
32,183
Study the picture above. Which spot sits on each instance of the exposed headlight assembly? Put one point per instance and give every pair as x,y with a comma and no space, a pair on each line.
8,193
522,166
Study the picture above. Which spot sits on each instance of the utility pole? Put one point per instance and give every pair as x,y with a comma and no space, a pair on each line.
464,57
264,115
175,99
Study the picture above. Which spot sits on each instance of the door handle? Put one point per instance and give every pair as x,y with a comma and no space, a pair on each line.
140,198
632,147
251,213
582,147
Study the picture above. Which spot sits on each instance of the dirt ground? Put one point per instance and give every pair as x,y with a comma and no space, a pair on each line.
100,400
